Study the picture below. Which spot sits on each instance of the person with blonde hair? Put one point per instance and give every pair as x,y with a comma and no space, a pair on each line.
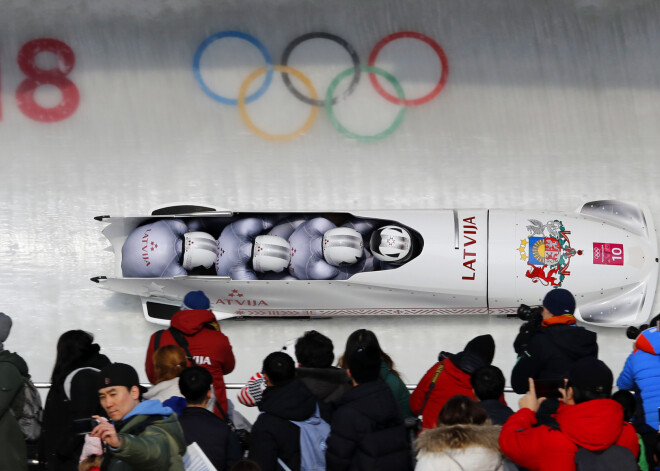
169,361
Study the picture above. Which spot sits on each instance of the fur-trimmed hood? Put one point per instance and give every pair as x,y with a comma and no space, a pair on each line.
448,437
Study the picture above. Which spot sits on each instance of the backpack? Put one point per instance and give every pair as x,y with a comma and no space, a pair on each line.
614,458
313,435
27,409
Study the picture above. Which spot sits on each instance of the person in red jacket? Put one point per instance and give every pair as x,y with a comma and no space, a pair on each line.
587,418
207,345
454,378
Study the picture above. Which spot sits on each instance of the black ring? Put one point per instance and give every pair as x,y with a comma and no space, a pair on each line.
343,43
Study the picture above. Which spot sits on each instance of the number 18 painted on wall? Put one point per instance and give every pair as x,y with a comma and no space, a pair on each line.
36,77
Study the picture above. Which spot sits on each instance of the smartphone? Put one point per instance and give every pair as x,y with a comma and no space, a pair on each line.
548,387
83,426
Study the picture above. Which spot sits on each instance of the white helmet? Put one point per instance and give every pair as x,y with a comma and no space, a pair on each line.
391,244
270,253
199,250
342,246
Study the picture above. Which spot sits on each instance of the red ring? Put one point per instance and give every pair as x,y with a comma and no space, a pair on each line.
438,50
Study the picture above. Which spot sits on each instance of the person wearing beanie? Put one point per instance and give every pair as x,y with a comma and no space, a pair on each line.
140,435
453,377
555,346
13,452
587,418
207,346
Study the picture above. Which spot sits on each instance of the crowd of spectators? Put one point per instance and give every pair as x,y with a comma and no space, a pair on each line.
352,414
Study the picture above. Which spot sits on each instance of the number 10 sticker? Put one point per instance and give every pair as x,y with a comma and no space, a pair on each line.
608,254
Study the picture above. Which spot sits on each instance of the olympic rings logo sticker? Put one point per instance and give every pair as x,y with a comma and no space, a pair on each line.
310,95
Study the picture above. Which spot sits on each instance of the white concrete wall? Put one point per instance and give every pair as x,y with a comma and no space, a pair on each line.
547,105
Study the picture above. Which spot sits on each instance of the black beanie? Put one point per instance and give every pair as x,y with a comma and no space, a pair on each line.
482,345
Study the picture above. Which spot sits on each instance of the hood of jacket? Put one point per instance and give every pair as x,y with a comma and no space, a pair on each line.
192,321
16,360
164,390
594,425
446,437
575,342
328,384
152,407
468,362
649,341
290,401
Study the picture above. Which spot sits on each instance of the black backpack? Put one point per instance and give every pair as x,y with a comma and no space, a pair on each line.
614,458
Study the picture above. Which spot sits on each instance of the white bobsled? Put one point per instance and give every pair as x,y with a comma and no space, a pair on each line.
467,261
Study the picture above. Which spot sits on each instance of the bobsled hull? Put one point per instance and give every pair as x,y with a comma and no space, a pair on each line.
470,261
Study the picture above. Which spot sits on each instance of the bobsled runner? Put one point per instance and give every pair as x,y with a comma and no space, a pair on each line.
390,262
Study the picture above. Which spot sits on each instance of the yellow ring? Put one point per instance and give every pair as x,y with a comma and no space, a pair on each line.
277,137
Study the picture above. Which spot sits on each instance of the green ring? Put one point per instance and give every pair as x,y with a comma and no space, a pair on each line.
375,70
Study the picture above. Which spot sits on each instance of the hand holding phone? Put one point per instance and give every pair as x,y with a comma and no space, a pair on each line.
84,426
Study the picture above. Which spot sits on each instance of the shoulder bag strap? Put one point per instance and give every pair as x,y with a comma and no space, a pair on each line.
182,341
157,339
432,385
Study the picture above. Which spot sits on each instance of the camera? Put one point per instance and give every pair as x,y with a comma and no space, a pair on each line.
532,317
84,426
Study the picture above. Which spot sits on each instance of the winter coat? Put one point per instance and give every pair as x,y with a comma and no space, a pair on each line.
550,354
367,432
454,379
273,436
399,389
206,343
212,434
460,448
594,425
157,447
642,371
13,452
60,444
327,384
498,413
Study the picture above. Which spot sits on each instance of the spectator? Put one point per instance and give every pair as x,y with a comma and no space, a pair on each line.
284,399
641,373
629,404
13,453
211,433
387,373
169,362
367,430
488,386
550,351
452,375
60,444
328,383
464,440
196,325
144,436
587,418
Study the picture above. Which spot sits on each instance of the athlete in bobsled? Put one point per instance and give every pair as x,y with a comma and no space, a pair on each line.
322,251
244,254
392,245
166,248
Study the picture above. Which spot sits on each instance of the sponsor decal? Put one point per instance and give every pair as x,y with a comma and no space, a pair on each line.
469,254
547,252
235,298
608,254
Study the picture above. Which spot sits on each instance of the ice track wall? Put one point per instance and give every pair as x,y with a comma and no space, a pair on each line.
116,107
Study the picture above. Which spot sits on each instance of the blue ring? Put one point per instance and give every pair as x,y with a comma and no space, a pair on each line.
232,34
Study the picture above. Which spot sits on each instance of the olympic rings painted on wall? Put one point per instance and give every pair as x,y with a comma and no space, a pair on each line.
312,99
277,137
372,70
343,43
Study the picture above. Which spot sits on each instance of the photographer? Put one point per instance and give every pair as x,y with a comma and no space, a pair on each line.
551,342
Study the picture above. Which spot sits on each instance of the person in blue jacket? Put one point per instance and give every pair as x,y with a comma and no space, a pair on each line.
641,373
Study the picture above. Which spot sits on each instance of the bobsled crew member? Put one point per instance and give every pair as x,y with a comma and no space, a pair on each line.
166,248
550,350
140,436
587,418
391,244
196,326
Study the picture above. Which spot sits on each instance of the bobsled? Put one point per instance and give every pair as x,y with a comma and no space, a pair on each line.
454,262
